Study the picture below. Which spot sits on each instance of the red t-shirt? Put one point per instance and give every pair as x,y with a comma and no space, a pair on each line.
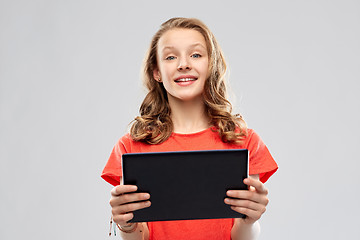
260,162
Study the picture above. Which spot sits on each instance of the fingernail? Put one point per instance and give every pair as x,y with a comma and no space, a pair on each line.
146,195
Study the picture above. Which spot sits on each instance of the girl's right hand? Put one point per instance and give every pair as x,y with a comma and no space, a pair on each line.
124,201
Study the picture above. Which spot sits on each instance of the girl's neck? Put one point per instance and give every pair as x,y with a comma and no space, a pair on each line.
189,116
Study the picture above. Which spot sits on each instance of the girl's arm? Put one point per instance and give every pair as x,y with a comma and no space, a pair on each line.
250,202
123,202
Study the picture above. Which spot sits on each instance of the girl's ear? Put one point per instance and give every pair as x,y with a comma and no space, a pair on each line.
156,74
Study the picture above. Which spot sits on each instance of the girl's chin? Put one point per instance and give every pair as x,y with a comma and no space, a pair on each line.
186,98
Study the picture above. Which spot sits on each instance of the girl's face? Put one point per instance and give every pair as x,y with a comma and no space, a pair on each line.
182,64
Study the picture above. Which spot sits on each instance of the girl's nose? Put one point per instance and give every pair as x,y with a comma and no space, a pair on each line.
184,64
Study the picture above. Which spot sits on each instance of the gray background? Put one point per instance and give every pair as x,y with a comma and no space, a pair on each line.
70,84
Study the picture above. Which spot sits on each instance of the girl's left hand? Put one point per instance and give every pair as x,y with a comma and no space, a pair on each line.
251,202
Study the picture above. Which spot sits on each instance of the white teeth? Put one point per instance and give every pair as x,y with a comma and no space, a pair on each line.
185,79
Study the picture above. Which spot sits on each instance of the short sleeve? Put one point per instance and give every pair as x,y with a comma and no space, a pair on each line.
112,170
260,160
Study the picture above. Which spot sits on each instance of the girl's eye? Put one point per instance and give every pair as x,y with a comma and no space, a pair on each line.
170,58
196,55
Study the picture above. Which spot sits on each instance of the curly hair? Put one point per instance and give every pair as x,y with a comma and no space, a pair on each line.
154,124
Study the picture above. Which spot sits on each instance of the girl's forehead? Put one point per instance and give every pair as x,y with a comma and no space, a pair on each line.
181,37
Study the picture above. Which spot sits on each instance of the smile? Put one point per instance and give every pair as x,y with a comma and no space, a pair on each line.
185,79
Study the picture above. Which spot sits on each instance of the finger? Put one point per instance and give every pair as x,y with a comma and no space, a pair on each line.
130,207
128,198
257,184
248,195
252,214
121,189
122,219
245,204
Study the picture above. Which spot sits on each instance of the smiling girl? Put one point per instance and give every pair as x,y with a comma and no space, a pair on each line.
186,109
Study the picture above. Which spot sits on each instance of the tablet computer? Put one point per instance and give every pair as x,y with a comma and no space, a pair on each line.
186,185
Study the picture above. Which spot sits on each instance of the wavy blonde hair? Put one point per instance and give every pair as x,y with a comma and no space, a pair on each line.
154,124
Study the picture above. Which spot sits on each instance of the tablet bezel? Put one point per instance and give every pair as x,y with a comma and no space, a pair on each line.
193,201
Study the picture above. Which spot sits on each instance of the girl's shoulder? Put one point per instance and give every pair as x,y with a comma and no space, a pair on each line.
130,145
251,138
126,138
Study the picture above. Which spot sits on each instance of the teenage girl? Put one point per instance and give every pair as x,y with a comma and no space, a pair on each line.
186,109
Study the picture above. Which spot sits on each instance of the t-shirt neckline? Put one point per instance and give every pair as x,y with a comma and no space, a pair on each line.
192,134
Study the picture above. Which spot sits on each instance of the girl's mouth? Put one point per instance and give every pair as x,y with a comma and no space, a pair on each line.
183,80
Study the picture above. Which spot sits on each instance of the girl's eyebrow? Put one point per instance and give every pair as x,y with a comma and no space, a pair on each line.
191,46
